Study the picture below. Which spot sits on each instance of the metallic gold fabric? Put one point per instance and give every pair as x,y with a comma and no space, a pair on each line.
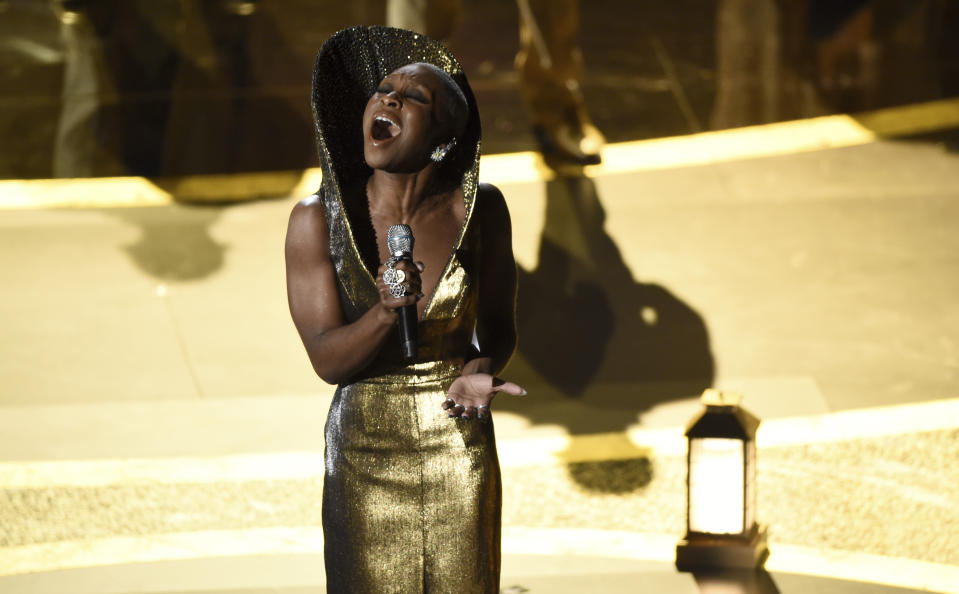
411,499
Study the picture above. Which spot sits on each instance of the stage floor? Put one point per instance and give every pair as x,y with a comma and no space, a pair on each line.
161,428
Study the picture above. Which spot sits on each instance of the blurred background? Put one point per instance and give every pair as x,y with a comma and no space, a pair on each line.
174,87
776,214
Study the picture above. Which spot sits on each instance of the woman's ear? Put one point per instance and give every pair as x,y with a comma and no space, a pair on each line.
440,152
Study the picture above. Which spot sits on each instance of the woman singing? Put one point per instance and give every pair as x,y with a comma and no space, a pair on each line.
411,498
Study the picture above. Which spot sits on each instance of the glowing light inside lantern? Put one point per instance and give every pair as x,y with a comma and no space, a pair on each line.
717,487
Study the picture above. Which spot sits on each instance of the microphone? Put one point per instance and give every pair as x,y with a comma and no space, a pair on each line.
399,242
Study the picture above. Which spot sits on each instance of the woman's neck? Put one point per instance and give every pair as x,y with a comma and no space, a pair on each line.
398,196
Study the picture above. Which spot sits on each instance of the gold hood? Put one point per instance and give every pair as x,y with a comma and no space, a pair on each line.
348,68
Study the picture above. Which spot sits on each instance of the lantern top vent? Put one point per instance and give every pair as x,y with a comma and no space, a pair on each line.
723,417
714,397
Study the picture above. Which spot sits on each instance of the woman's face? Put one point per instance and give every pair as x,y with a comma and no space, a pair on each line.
400,126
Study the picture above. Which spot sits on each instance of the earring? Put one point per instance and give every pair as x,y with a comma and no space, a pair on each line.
440,152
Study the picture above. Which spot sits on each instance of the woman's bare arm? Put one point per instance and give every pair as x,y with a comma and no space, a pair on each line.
496,320
336,349
470,394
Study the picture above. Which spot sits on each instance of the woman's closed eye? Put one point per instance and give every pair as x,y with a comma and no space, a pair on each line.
416,96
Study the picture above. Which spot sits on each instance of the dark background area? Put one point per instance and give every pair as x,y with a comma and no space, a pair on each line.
174,87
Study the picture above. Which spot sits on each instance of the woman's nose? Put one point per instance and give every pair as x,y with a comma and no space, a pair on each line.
392,99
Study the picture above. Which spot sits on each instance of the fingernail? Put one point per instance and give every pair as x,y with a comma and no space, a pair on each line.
524,392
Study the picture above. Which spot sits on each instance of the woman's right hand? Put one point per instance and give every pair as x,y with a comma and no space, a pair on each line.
412,283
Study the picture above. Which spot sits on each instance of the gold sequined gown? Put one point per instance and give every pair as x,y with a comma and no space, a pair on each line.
411,499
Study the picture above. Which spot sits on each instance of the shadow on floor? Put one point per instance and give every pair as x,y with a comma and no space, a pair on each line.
596,347
735,582
175,243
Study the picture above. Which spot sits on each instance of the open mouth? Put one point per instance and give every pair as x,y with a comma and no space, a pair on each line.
384,128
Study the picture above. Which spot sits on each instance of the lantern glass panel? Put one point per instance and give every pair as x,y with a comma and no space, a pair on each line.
716,485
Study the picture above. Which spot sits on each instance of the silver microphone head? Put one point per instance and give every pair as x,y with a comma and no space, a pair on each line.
399,239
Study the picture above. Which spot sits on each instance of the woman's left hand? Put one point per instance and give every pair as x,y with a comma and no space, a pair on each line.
470,395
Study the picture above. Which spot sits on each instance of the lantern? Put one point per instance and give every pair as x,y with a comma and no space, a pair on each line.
721,527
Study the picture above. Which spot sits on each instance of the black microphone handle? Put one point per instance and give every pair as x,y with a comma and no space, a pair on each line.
408,322
407,315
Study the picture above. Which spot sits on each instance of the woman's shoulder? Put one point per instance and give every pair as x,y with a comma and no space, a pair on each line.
491,204
488,192
308,219
309,208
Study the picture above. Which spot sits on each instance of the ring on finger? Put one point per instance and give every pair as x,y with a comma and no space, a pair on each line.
389,275
394,278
